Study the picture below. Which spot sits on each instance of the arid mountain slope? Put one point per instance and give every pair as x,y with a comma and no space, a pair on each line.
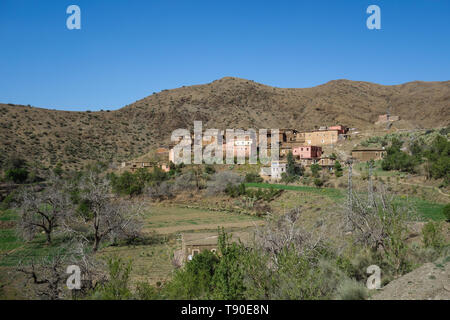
72,138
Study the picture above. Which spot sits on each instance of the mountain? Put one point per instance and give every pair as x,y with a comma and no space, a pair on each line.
73,138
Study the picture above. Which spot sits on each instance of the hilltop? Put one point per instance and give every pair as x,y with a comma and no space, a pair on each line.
73,138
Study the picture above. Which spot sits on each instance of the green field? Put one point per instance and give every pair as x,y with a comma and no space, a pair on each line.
425,209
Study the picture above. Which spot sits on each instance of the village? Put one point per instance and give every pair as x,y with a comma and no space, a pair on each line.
307,147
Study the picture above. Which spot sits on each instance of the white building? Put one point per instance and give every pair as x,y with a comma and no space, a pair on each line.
276,169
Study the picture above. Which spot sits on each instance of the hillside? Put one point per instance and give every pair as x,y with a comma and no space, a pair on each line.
73,138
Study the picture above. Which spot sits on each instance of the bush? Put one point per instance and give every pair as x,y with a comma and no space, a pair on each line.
351,290
160,192
315,168
433,236
318,182
446,211
194,281
209,169
17,175
116,288
253,177
220,181
338,169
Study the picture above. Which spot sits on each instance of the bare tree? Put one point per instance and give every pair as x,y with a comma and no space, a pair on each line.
109,218
221,180
44,210
377,218
283,232
161,191
48,275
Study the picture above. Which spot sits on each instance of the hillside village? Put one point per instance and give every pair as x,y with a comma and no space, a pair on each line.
305,146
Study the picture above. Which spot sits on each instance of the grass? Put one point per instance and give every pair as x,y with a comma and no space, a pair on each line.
329,192
428,210
433,211
175,219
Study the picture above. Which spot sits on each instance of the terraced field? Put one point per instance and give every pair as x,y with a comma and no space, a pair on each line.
167,220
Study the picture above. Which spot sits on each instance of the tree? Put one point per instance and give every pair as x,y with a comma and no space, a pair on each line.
195,280
315,168
109,218
338,169
220,181
380,222
229,274
44,210
293,170
48,274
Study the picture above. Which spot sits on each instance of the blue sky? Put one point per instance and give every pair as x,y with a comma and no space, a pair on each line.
128,49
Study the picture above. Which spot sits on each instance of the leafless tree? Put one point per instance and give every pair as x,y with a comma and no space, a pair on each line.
48,275
109,218
221,180
375,219
43,210
283,232
161,191
184,182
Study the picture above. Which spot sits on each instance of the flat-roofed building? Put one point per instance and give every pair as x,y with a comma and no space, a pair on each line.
307,152
368,154
195,243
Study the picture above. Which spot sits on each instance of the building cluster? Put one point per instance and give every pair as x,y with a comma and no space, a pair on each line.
305,146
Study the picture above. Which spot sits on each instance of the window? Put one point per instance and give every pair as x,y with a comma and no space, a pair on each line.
195,252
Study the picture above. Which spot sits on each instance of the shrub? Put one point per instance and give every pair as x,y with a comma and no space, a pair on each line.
318,182
315,168
338,169
446,211
209,169
433,236
220,181
253,177
351,290
194,281
17,175
116,288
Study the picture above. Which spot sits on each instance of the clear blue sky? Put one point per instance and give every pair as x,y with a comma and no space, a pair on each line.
127,49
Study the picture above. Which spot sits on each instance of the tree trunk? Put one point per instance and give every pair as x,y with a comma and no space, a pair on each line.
96,243
49,237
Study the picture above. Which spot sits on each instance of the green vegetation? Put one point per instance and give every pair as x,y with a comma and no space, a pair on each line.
293,170
338,171
241,190
396,159
436,157
253,177
433,235
446,212
329,192
134,183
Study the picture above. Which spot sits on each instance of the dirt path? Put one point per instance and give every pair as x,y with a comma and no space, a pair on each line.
422,186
